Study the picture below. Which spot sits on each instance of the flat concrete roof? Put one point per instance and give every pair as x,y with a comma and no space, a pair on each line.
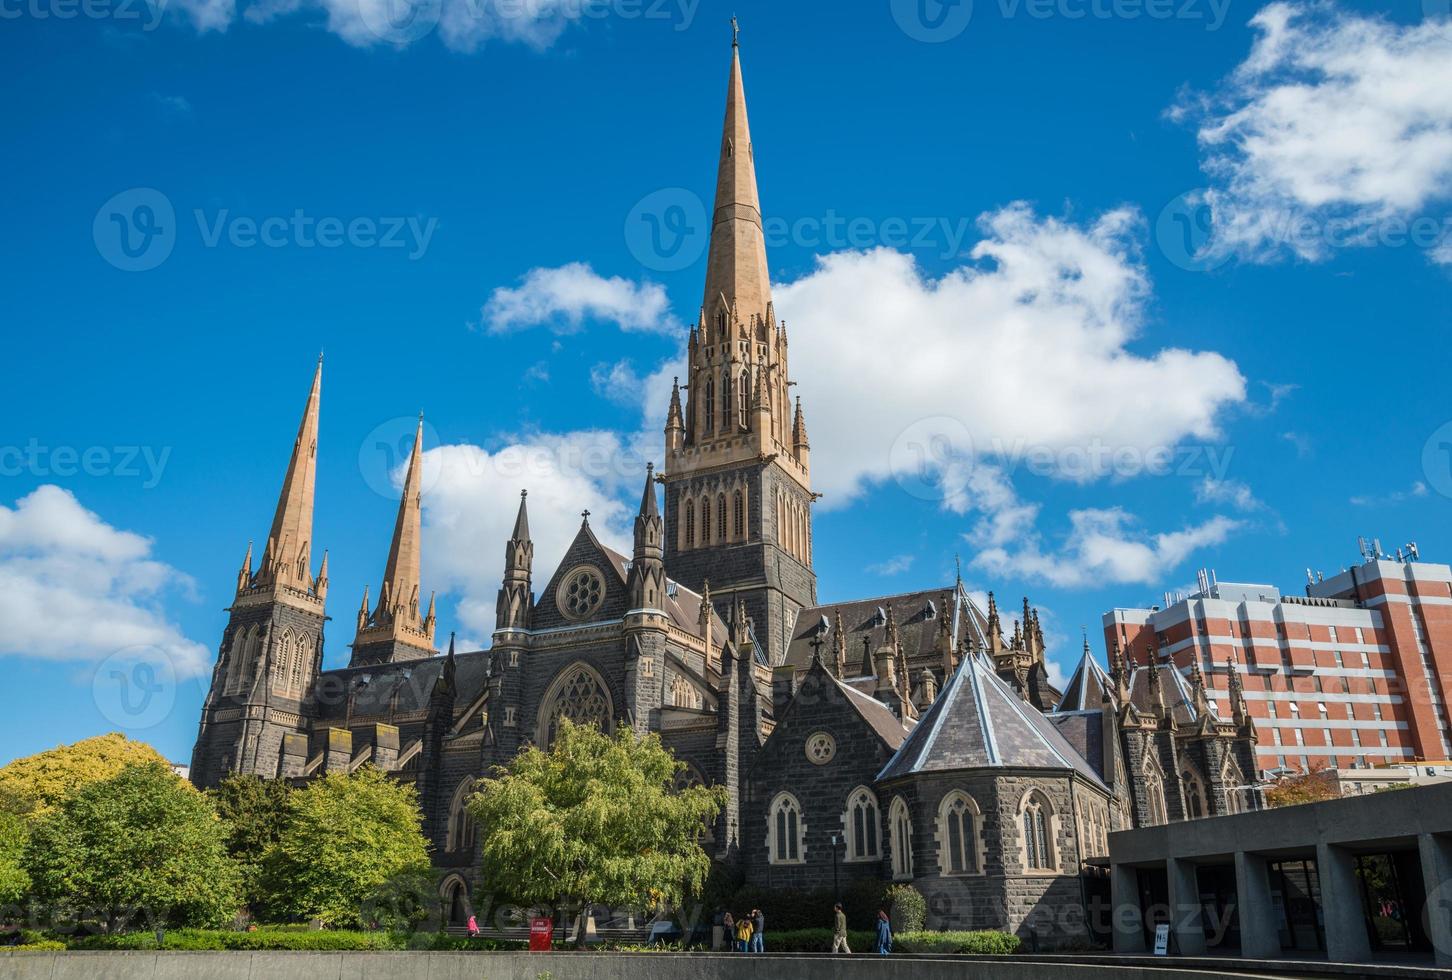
1369,823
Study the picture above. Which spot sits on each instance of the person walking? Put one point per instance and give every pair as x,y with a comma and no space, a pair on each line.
839,930
728,929
473,926
758,931
743,934
884,933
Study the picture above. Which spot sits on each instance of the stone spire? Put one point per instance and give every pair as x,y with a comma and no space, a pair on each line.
1239,710
675,428
647,566
995,627
839,645
736,278
395,629
516,597
703,619
801,448
287,558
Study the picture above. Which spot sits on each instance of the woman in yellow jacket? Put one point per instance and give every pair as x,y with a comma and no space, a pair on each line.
744,930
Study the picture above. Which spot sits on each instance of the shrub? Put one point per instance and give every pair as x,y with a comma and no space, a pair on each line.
39,946
968,943
907,908
814,940
258,940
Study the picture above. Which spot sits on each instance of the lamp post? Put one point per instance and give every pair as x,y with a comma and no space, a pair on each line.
836,888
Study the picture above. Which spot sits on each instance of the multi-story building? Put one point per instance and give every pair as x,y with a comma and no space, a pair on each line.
1354,673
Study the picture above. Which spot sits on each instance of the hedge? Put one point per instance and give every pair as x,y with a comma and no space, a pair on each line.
980,943
815,940
260,939
790,909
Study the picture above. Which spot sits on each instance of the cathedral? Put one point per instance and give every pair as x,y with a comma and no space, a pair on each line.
912,737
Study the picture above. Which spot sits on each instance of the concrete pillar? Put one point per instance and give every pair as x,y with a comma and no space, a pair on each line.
1185,921
1341,905
1259,931
1436,854
1126,919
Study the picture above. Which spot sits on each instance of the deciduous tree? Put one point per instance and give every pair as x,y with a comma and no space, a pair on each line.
142,844
596,819
254,811
37,783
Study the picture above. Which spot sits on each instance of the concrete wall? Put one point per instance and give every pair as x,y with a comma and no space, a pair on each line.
559,966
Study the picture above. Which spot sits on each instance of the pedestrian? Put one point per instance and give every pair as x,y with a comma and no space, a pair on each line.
728,929
473,926
884,933
743,934
839,930
758,931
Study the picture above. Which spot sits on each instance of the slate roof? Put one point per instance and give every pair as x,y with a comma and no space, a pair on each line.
876,714
979,723
1084,730
1175,690
413,680
1088,687
917,615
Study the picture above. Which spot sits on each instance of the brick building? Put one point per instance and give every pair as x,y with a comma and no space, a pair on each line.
1354,673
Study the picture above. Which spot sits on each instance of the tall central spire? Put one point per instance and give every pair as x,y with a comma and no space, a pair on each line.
736,267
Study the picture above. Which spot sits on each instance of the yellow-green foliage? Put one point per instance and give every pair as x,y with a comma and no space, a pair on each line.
38,783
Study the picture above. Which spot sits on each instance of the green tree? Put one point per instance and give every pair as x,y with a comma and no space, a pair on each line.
1308,787
594,820
141,844
254,811
37,783
347,843
14,832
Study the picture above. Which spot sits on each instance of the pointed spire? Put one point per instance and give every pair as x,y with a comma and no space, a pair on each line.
401,575
839,644
647,497
675,428
736,266
1197,688
244,574
521,520
1239,710
289,543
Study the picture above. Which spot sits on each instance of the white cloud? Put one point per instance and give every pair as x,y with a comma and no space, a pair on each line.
1232,492
893,566
462,25
1104,547
74,588
564,298
1336,130
471,496
1417,489
1024,351
207,15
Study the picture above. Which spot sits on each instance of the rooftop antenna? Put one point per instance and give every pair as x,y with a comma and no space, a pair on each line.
1412,550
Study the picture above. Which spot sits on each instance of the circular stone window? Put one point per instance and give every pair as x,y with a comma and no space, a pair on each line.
581,592
820,748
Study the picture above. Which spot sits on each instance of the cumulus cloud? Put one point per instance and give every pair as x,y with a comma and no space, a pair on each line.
1232,492
1335,130
1104,547
471,494
1023,352
564,298
74,588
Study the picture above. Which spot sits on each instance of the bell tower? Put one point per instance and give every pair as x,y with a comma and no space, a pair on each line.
737,473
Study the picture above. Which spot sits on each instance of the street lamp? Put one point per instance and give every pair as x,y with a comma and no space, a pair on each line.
836,888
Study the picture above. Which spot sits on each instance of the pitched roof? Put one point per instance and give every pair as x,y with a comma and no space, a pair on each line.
1089,686
864,621
979,723
1174,689
412,681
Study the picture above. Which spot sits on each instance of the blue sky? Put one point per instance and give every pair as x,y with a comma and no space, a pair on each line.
1159,232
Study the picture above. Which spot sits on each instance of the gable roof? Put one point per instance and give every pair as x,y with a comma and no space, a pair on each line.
977,722
1089,686
918,619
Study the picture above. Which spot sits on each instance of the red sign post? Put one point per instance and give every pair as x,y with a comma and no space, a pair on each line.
541,934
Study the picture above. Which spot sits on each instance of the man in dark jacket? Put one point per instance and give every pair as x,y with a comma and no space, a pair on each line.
759,921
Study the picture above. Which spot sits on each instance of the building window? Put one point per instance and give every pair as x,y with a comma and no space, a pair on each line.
461,830
720,517
579,695
1234,781
689,508
738,516
862,836
958,835
1154,793
820,748
786,844
744,398
1195,802
902,839
581,592
710,404
1037,841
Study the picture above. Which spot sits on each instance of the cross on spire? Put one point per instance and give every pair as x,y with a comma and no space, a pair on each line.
735,32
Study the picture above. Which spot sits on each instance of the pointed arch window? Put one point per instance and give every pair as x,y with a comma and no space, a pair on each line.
282,662
786,844
710,404
1038,842
1195,799
1154,792
720,517
958,820
902,839
578,694
738,516
461,831
727,408
705,520
863,840
688,508
1234,782
743,399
